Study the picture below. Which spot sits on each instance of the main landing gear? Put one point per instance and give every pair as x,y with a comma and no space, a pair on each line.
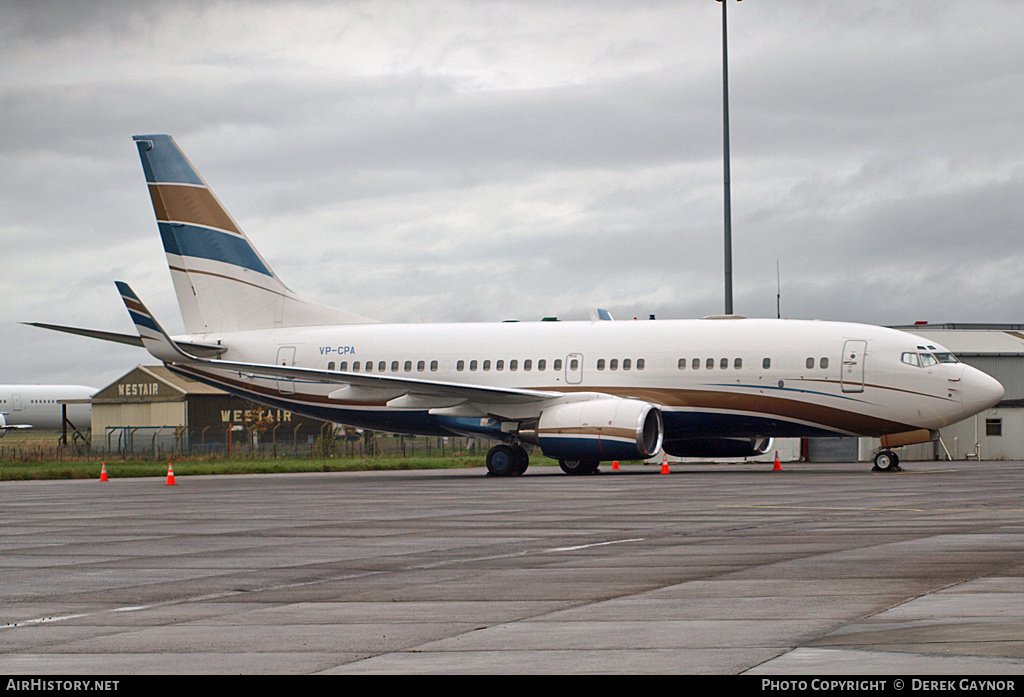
511,460
507,460
886,461
579,466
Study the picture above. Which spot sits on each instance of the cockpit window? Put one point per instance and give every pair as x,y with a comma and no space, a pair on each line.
925,358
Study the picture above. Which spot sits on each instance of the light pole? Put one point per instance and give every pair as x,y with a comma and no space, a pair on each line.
728,185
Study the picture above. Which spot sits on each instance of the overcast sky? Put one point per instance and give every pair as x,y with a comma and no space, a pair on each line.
465,161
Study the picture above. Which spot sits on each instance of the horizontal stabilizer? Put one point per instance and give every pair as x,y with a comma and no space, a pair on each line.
129,339
200,349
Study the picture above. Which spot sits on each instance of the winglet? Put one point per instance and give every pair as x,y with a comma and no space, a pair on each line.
157,341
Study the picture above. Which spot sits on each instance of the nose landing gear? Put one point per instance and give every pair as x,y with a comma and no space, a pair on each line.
886,461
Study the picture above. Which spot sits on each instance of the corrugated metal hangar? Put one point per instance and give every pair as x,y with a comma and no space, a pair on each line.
151,407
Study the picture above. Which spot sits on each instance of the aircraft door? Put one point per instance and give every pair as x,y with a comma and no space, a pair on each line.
574,368
852,378
285,356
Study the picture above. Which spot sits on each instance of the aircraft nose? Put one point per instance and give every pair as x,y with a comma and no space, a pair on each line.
980,391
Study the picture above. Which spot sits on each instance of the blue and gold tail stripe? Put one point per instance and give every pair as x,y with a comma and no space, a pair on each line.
140,315
192,221
164,162
204,243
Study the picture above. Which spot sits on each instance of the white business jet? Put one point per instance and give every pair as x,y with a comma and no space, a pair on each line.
580,392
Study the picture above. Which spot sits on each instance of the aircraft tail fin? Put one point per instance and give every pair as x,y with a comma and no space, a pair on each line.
221,280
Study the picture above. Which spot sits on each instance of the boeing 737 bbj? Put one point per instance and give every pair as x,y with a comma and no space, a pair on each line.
581,392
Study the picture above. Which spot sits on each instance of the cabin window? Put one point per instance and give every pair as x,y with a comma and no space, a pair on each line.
614,364
330,365
461,365
355,367
542,364
695,364
394,366
558,364
810,363
710,364
472,365
527,364
433,365
724,363
499,365
487,365
408,366
766,363
513,364
737,363
343,366
600,364
626,364
574,364
682,364
639,363
421,366
823,362
993,427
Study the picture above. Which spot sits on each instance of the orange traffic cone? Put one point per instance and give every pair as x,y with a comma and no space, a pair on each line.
103,473
664,464
170,474
615,465
778,465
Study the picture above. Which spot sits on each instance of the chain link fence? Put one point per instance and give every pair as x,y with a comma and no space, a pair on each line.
160,442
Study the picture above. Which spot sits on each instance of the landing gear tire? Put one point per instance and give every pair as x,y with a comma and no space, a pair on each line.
579,466
887,461
522,457
507,461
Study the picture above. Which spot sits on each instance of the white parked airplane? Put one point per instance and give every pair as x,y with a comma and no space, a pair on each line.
581,392
40,406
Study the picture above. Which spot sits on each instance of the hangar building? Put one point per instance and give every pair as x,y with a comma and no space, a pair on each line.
152,408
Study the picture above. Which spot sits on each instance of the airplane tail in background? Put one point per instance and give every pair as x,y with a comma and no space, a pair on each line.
222,282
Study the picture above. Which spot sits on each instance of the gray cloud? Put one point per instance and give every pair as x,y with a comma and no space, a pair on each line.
460,161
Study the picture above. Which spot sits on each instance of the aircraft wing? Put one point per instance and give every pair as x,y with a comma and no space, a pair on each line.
396,391
5,427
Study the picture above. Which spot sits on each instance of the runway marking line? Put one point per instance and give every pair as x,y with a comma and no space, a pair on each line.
594,544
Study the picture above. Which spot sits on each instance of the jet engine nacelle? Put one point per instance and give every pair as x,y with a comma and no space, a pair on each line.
610,428
718,447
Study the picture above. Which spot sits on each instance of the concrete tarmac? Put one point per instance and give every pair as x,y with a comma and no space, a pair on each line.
820,569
